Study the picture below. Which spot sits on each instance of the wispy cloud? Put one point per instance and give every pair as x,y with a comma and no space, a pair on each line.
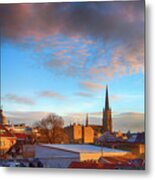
91,86
84,94
51,94
129,121
18,99
116,97
28,117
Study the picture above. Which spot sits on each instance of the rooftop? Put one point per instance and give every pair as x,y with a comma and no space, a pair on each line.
81,148
4,132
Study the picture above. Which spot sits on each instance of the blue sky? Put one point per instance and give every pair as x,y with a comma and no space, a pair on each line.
63,66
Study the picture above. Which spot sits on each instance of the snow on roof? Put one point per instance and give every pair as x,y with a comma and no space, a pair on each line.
132,139
137,138
81,148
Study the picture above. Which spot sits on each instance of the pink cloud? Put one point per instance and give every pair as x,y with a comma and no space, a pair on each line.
18,99
91,86
84,94
51,94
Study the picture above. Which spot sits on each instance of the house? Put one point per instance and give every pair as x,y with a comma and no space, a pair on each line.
7,140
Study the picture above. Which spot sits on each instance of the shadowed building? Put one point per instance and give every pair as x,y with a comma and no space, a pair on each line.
107,119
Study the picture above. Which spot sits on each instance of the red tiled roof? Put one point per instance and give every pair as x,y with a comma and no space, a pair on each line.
110,163
20,135
90,165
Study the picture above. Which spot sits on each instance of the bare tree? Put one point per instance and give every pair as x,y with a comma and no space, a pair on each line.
51,128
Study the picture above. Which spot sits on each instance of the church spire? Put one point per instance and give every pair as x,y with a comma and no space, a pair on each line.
107,118
107,99
87,119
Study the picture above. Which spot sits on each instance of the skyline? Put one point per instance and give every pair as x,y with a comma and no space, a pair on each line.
60,57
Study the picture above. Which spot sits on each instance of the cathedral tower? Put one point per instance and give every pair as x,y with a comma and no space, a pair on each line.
107,119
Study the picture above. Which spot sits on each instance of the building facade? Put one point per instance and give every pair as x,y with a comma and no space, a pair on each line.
79,134
7,140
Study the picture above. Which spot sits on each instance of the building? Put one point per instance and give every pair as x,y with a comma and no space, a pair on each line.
62,155
109,137
98,130
3,119
78,134
19,128
107,118
7,140
74,133
88,134
136,143
129,162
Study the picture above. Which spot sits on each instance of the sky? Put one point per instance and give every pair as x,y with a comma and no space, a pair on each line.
59,57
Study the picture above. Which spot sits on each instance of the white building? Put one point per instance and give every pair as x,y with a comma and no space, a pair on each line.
61,155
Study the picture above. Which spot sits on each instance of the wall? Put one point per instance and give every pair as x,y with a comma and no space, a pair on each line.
88,135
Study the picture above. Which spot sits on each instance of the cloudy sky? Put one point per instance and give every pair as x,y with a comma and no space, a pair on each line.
58,57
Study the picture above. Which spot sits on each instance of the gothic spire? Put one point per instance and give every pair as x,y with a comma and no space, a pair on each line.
106,99
87,119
